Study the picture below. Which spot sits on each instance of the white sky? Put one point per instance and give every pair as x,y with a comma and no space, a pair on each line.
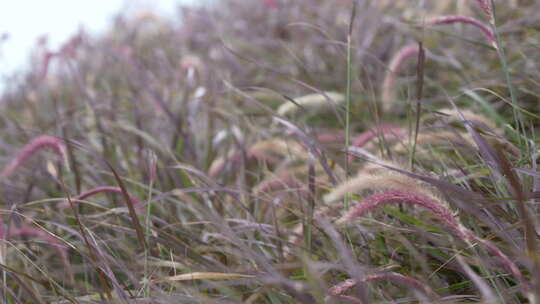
26,20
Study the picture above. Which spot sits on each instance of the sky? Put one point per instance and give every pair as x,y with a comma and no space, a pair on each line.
24,21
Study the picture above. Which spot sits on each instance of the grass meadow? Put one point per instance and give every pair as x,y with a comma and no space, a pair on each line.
278,151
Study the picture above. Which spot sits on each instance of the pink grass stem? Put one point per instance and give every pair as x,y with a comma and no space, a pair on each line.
41,142
69,49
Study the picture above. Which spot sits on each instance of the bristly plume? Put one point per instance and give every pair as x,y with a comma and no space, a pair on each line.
439,211
312,102
263,150
442,138
468,20
46,237
485,5
386,131
384,180
282,182
409,198
41,142
272,4
109,189
388,90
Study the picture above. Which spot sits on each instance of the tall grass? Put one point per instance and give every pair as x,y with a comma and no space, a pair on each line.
207,159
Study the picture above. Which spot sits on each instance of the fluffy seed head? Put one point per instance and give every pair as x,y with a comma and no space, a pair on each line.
382,180
440,212
54,143
409,198
388,90
283,182
442,138
485,5
46,237
311,102
262,150
467,20
273,4
385,130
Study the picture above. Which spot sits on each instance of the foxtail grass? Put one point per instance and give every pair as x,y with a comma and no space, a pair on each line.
42,142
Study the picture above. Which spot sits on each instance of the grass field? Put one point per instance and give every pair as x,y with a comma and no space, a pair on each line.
279,151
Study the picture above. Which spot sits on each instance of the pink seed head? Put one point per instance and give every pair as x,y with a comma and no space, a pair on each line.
284,182
46,237
330,137
403,197
273,4
136,203
219,165
342,287
507,262
45,63
385,130
387,94
367,136
70,48
485,5
54,143
467,20
440,212
42,41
